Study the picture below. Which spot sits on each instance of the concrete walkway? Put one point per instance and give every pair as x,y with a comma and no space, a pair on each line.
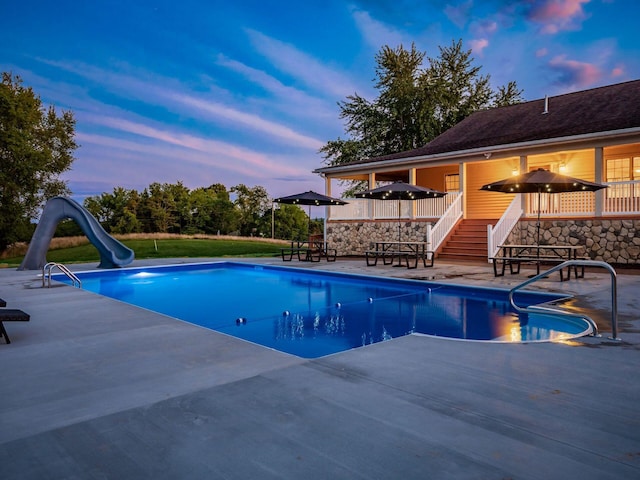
94,388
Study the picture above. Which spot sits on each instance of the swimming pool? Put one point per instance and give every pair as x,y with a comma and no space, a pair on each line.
313,314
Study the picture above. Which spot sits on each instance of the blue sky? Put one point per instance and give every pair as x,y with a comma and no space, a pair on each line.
246,92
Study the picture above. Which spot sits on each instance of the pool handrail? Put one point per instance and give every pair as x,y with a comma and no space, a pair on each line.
574,263
47,271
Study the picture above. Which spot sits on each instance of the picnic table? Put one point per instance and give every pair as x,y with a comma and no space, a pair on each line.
514,255
402,251
311,250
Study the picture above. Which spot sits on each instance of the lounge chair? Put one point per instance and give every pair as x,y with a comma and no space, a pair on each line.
10,315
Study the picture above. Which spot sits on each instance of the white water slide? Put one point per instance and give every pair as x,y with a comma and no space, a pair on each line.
112,252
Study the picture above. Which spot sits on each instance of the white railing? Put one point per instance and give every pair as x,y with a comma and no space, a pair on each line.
367,209
622,198
561,204
448,219
356,209
498,234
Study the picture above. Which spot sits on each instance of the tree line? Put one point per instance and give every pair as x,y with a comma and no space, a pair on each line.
174,208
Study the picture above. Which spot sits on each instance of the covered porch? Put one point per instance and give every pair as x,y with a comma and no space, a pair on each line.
461,176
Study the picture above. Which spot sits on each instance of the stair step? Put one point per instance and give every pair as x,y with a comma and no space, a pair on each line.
468,241
462,256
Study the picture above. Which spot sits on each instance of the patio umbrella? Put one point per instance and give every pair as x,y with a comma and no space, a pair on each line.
400,191
310,199
541,181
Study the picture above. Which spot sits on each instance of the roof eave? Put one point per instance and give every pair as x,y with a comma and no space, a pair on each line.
501,150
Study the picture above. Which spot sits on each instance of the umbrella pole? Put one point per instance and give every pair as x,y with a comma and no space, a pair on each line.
538,234
399,222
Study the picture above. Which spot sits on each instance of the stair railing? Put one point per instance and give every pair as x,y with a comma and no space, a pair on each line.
497,235
437,233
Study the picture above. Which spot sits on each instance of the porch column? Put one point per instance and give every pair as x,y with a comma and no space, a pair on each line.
599,168
372,185
327,210
524,167
412,205
463,188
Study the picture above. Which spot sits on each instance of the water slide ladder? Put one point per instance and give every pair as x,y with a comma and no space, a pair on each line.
48,268
551,311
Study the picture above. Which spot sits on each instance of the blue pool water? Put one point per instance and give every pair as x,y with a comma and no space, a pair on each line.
313,314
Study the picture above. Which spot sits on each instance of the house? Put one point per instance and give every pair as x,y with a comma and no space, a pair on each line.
592,134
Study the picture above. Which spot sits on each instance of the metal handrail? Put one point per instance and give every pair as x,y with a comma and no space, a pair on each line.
46,274
571,263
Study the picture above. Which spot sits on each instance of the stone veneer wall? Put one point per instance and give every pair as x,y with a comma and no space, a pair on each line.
611,240
354,238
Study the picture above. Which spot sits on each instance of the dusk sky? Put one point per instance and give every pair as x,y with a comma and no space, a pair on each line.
246,91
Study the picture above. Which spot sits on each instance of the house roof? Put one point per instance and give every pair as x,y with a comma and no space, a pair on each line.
603,109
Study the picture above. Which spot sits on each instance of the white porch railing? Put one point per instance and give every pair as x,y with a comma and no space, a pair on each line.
622,198
367,209
448,219
573,204
498,234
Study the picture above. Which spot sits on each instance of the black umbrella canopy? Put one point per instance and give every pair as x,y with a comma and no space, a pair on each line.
542,181
310,198
401,191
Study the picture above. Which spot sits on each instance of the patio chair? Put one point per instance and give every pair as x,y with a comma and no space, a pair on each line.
10,315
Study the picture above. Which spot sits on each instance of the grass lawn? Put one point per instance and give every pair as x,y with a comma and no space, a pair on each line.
163,248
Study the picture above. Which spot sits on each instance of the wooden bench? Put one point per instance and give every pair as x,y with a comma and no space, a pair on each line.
309,254
11,315
515,262
371,256
288,253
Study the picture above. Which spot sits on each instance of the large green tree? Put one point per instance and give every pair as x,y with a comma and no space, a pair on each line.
36,146
416,103
252,204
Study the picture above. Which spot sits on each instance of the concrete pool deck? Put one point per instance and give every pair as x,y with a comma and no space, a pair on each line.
94,388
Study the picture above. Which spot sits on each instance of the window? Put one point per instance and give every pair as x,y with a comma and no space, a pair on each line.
452,182
618,170
622,170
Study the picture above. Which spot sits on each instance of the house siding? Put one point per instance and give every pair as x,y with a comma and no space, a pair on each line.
481,204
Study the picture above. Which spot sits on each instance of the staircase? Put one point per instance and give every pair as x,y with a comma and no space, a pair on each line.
467,241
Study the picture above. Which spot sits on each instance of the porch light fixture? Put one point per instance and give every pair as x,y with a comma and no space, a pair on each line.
563,167
514,172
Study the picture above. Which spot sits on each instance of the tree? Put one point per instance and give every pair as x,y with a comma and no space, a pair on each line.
252,204
36,146
415,104
117,211
290,222
212,211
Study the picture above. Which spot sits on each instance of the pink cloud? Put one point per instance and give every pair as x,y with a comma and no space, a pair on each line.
479,45
542,52
573,73
617,71
484,28
557,15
